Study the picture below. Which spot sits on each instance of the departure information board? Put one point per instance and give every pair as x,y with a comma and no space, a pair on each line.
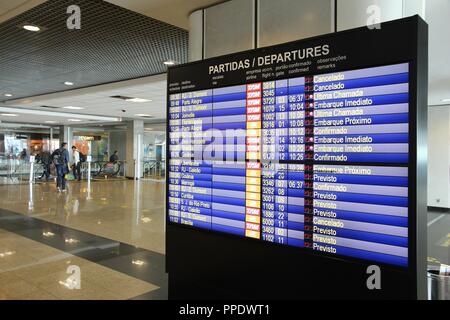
307,158
297,161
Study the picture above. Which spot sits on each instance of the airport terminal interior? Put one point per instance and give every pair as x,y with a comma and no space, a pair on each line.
94,74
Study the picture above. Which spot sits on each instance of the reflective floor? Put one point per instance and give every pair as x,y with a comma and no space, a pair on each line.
123,210
107,236
32,271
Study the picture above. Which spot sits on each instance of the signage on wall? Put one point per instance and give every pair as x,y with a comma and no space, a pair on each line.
88,138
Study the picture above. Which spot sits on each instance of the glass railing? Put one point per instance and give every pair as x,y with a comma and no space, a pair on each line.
18,170
13,170
154,169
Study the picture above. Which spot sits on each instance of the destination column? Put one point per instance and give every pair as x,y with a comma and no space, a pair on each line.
195,173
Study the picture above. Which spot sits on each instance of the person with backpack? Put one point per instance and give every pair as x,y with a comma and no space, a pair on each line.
44,159
76,163
60,158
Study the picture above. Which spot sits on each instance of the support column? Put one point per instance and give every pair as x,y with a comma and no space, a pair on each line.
196,36
65,135
134,149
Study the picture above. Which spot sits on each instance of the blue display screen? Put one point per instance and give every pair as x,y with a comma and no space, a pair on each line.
318,162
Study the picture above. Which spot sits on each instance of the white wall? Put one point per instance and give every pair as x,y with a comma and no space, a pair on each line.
229,27
118,141
286,20
439,156
353,13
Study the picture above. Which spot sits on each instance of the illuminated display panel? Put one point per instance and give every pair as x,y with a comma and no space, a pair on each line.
318,162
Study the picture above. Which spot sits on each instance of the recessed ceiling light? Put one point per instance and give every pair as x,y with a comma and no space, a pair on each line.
73,108
138,100
8,115
50,121
8,95
31,27
142,115
169,63
445,100
68,83
74,120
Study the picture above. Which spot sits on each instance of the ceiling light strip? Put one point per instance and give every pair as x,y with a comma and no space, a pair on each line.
58,114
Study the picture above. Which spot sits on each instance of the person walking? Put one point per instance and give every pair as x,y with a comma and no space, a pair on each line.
76,163
60,158
44,158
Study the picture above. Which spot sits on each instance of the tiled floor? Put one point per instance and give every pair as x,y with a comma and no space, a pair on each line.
123,210
33,271
114,231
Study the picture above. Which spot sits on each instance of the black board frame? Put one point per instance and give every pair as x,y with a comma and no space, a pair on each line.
208,265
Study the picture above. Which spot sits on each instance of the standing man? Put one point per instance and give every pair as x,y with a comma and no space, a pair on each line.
114,157
60,158
76,163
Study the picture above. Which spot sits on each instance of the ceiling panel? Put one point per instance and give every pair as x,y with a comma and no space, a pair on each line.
97,101
175,12
113,44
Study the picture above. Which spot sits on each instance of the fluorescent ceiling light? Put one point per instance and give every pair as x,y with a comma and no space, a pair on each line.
68,83
169,63
73,108
142,115
445,100
51,114
138,100
31,27
21,125
8,95
49,121
8,115
74,120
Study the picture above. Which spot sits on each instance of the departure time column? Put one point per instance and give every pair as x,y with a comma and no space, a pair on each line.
175,162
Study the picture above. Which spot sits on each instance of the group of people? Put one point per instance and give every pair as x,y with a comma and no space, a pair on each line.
64,164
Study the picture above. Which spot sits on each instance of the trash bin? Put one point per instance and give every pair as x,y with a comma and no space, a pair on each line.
438,286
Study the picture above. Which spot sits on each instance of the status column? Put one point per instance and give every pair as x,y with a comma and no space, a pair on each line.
253,161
